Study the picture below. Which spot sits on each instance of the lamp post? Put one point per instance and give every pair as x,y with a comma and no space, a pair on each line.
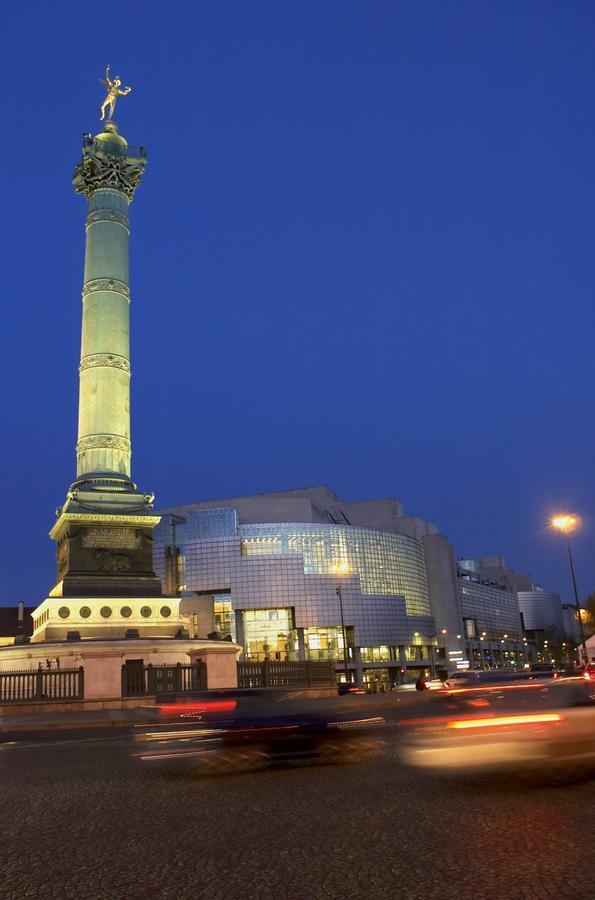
567,523
340,596
432,659
341,567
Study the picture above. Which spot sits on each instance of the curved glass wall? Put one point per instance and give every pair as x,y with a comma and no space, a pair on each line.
387,564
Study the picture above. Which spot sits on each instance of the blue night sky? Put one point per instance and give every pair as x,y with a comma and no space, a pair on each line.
362,255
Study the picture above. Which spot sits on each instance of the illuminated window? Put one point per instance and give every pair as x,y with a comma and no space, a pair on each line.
269,634
225,622
377,654
323,643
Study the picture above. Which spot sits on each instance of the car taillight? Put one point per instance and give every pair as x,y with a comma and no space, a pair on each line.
587,676
498,721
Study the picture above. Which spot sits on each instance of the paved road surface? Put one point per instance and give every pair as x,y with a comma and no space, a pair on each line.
80,818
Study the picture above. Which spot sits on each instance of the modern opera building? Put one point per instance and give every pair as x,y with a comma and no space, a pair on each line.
288,574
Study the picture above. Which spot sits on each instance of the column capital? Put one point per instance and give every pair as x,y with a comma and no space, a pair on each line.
108,162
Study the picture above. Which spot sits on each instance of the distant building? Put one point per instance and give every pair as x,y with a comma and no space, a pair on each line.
492,625
541,611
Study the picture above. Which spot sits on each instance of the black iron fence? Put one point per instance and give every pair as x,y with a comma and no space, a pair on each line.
286,674
140,681
42,684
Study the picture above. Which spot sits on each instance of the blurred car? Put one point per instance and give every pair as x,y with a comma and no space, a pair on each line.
469,677
588,672
543,670
350,688
534,725
240,731
431,684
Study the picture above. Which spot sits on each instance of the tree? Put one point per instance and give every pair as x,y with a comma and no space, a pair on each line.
589,617
555,646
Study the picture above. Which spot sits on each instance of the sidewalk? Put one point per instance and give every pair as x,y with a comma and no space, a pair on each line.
65,721
72,719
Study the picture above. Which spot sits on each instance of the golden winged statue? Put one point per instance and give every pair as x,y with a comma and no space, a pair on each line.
114,90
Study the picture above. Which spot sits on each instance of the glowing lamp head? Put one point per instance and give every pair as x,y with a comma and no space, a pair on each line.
565,522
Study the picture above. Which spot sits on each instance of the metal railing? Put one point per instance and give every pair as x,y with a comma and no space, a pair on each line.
142,681
113,148
42,684
286,674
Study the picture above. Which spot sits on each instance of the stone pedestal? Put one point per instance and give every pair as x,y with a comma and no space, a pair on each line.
108,555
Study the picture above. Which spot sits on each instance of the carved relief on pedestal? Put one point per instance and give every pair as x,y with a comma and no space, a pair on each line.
105,359
113,562
106,284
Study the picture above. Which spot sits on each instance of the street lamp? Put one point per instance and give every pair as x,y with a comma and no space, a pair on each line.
567,523
340,596
430,647
341,568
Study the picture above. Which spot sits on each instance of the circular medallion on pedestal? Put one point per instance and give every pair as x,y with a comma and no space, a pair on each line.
145,612
165,611
126,612
63,612
84,612
106,611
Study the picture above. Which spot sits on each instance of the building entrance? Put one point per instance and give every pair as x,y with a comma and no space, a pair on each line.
376,680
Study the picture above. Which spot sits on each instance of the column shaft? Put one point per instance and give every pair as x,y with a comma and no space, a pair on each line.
104,394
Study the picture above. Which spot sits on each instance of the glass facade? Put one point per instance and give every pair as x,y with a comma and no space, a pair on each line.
387,564
282,590
489,612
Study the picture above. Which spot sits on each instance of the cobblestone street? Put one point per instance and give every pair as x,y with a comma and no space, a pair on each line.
82,819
